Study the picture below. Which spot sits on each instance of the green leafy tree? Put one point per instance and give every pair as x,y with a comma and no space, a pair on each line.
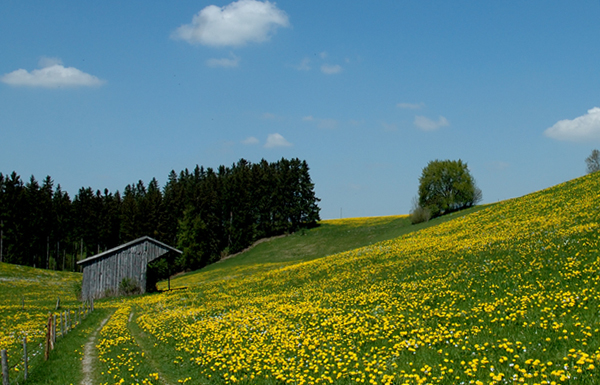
446,186
593,161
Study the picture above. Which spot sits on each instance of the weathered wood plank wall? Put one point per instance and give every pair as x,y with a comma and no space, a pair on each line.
102,274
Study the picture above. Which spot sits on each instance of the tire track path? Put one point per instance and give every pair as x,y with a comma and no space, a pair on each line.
89,355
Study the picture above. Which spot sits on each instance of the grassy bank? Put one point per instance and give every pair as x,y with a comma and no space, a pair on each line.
331,237
507,294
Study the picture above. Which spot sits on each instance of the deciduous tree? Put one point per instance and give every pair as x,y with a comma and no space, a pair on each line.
593,161
446,186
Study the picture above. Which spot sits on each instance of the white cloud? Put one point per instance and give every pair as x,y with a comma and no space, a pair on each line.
236,24
270,116
304,65
224,62
331,69
276,140
323,55
498,165
354,122
329,124
427,124
52,75
250,140
582,128
389,127
411,106
49,61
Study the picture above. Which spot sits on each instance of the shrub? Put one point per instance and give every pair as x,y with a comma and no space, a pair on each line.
129,286
419,214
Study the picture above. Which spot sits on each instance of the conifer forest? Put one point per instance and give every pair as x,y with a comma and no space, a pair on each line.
206,213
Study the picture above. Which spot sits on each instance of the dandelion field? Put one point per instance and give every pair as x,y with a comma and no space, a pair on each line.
506,294
27,296
331,237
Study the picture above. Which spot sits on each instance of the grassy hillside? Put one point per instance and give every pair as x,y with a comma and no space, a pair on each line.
507,294
331,237
27,296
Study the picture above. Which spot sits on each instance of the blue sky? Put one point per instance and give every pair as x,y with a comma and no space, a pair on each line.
103,94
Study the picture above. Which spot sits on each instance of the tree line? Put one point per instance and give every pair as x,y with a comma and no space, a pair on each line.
206,213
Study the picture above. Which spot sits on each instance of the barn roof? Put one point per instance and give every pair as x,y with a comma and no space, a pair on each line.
127,245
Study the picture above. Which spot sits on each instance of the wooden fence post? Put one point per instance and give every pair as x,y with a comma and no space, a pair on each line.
5,380
53,330
25,360
48,337
62,325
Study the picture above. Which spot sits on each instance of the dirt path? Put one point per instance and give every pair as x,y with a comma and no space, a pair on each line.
140,339
89,355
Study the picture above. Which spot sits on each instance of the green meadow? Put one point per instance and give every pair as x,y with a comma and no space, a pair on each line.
498,294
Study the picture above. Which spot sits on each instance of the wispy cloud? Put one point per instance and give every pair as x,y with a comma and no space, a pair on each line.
427,124
325,67
46,61
411,106
52,75
389,127
304,65
276,140
236,24
328,124
498,165
231,62
329,69
251,140
580,129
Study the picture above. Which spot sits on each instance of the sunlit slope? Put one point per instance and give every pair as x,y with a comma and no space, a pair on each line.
330,237
507,294
26,296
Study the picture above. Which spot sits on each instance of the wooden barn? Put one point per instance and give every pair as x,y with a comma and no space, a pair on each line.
103,273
